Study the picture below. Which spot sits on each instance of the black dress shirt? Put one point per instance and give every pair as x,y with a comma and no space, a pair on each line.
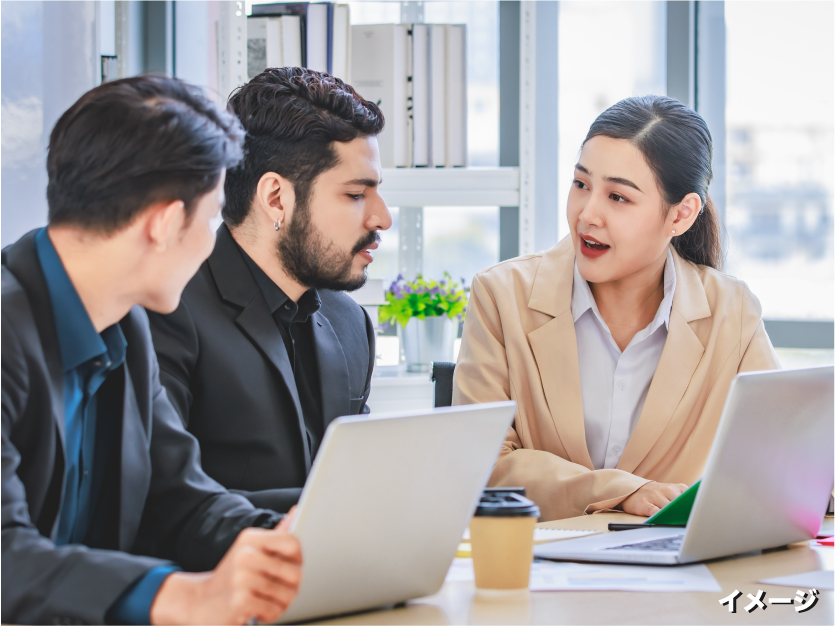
295,324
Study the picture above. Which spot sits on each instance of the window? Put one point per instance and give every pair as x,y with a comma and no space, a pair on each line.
460,240
607,51
780,99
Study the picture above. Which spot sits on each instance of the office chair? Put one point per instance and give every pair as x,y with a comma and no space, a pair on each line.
442,375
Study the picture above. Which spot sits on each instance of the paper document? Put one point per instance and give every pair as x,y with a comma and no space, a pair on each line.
544,535
549,576
460,571
823,579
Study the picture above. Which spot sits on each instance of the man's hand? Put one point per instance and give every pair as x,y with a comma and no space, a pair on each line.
651,498
257,578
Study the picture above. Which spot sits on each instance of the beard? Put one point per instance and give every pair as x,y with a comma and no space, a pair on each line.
314,262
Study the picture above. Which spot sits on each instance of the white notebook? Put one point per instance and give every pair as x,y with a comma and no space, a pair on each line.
437,93
456,81
544,535
291,40
380,72
341,50
420,94
317,36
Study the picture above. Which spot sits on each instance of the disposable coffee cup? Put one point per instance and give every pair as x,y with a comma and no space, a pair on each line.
501,535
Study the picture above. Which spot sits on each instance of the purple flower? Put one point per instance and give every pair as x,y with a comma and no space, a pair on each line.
408,289
399,296
435,291
399,278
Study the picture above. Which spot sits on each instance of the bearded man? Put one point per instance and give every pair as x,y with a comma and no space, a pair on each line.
265,350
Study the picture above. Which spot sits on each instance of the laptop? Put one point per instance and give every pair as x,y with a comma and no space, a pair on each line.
767,480
386,503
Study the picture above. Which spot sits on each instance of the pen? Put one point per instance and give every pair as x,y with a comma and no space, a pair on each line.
614,526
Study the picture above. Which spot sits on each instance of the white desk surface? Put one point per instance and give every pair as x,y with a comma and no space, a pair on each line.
459,603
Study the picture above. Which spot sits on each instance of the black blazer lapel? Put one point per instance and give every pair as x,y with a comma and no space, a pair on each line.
258,324
236,285
333,370
135,464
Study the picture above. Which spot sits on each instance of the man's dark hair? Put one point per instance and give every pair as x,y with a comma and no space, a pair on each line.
292,116
133,142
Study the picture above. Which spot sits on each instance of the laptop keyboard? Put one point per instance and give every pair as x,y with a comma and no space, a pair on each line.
669,544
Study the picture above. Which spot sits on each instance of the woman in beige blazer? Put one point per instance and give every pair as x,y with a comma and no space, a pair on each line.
656,312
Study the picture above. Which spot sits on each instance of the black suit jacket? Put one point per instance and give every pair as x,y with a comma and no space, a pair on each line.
167,507
227,372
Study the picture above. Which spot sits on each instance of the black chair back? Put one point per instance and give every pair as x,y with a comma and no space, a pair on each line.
442,375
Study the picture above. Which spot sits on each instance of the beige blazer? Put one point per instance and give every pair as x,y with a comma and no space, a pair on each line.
519,344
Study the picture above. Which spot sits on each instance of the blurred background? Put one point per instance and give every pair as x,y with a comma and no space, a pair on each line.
761,73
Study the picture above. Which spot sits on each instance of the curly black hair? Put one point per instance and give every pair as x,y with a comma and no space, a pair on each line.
292,116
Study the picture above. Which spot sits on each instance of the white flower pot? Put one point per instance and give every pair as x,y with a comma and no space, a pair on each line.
428,340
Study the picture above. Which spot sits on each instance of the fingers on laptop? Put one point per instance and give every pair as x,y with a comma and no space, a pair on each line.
275,542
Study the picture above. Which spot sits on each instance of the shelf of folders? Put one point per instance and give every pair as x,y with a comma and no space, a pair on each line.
416,73
316,35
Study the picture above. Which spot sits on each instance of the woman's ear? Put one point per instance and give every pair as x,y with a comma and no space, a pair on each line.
684,214
274,198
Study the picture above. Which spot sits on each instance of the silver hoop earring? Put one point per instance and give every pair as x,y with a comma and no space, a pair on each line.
277,224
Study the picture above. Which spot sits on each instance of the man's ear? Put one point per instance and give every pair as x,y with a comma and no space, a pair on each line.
685,213
274,198
164,222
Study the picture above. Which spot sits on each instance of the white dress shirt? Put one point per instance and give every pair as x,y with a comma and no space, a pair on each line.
614,384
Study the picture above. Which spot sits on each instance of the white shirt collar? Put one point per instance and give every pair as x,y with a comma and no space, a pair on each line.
582,299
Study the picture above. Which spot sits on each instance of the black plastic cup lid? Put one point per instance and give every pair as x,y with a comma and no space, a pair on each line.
506,504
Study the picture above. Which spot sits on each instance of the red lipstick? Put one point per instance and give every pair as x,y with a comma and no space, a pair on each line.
591,247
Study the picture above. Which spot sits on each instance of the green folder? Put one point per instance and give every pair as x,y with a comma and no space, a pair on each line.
677,511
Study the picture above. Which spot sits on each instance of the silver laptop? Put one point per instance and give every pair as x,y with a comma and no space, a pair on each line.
766,484
387,502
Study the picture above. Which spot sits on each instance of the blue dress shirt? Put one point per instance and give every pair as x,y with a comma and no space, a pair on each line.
88,358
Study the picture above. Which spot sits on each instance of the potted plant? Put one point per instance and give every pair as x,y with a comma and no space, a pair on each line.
428,312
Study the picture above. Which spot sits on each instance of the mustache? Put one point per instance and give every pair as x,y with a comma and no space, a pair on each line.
373,236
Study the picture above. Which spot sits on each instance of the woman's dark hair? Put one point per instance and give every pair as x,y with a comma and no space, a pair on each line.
677,146
292,116
133,142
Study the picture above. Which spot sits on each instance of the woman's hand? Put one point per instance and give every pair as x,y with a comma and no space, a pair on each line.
257,578
651,498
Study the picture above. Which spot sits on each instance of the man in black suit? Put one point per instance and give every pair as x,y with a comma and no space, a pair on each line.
265,350
104,500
